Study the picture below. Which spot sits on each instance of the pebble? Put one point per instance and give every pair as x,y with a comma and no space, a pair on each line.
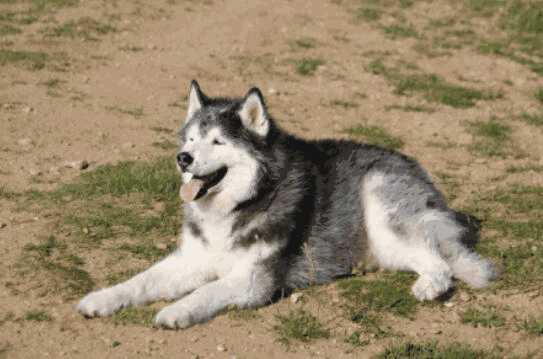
295,297
24,142
79,165
27,110
534,249
449,304
464,297
272,91
34,172
3,225
161,246
221,348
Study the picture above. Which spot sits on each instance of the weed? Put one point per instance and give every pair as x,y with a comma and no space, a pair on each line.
28,59
539,93
491,137
532,119
304,43
135,316
484,318
389,293
7,29
146,251
431,350
525,168
343,103
307,66
355,339
243,314
533,326
410,108
368,13
400,31
85,28
376,136
299,325
37,316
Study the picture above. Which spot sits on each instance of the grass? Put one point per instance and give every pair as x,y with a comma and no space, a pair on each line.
535,119
303,43
491,137
31,60
369,13
410,108
432,350
37,316
307,66
432,87
525,168
84,28
344,104
243,314
355,339
7,29
375,135
146,251
539,93
533,326
299,325
165,145
142,316
389,293
488,318
136,112
397,31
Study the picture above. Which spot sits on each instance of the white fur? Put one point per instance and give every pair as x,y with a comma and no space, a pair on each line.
253,115
194,101
395,253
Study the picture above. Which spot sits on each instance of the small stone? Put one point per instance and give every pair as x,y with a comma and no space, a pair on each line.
128,145
272,91
221,348
295,297
152,47
464,297
161,246
27,110
34,172
449,304
3,225
24,142
534,249
86,230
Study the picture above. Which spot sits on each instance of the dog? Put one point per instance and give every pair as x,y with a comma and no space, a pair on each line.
266,211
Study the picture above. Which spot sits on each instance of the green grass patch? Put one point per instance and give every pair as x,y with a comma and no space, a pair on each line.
7,29
30,60
535,119
368,13
488,318
533,326
243,314
355,339
525,168
142,316
86,28
491,137
299,325
344,104
146,251
390,294
303,43
432,350
539,93
307,66
136,112
375,135
398,31
432,87
37,316
410,108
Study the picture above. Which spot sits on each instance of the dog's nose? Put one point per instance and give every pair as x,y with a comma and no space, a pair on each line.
184,159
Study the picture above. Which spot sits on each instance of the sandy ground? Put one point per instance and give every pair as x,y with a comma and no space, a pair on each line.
114,91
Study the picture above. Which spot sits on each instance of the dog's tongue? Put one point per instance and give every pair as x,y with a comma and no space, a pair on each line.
189,190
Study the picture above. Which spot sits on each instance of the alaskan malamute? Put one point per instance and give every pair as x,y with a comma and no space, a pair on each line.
265,211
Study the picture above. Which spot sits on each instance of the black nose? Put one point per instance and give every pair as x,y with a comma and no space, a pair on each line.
184,159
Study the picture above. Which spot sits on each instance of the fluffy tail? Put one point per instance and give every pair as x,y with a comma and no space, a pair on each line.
471,268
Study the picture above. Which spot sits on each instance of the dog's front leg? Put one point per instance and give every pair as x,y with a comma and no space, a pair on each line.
170,278
250,288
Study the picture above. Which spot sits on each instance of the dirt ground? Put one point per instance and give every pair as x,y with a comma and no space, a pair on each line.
113,89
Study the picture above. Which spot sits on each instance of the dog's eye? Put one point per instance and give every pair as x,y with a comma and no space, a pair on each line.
217,142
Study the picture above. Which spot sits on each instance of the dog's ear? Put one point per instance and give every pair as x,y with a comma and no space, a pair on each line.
253,113
196,99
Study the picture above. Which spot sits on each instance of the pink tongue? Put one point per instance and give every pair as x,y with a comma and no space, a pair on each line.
190,190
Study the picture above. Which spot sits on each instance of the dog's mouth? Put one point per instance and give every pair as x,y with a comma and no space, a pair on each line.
199,186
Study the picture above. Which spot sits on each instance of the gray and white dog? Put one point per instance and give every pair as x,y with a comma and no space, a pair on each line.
265,211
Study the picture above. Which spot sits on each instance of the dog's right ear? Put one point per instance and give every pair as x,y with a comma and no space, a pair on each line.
196,99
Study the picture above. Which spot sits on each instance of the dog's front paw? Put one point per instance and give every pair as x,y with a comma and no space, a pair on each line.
100,303
173,317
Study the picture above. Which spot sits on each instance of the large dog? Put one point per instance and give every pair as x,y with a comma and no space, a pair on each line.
265,210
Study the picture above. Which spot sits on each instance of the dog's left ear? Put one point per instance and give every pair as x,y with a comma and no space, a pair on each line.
196,99
253,113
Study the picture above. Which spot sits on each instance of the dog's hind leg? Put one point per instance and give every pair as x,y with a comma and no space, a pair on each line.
170,278
402,248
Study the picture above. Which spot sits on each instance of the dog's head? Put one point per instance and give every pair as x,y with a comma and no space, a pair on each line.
220,141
